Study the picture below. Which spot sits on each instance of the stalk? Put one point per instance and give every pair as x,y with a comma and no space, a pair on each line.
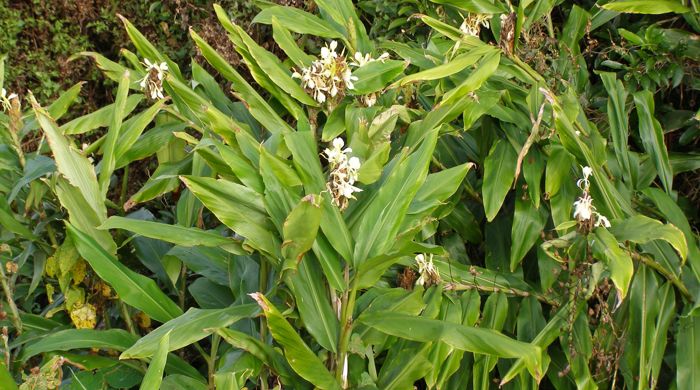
262,284
16,320
212,358
348,302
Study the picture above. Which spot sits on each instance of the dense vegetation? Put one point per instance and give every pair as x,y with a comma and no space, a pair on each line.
440,194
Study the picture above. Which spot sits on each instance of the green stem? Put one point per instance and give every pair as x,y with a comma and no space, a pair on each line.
92,148
183,286
649,262
550,27
346,327
125,186
262,284
212,358
16,320
127,318
52,235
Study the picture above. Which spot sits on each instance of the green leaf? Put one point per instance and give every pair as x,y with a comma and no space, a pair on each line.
258,107
376,75
640,229
687,359
71,164
300,229
456,65
268,62
99,118
286,42
617,115
175,234
69,339
487,66
188,328
311,294
134,289
380,222
667,311
83,218
652,136
652,7
109,156
272,357
643,310
133,128
499,170
465,338
238,207
528,223
154,374
606,248
146,48
475,6
6,380
302,359
297,20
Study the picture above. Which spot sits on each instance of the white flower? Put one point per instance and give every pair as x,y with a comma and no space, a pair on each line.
602,221
370,100
361,60
587,171
428,274
472,24
354,163
327,76
583,208
152,83
5,99
344,173
583,184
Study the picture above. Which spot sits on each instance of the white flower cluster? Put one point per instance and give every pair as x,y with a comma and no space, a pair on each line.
344,173
584,211
360,60
472,24
428,274
5,99
328,76
152,83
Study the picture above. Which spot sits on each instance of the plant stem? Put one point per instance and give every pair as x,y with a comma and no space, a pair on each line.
183,286
345,328
262,284
16,320
212,358
127,318
646,260
125,186
52,235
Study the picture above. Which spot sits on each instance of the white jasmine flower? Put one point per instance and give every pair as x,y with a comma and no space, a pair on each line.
344,173
584,211
361,60
328,76
370,100
602,221
472,24
583,184
583,208
152,83
5,99
428,274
